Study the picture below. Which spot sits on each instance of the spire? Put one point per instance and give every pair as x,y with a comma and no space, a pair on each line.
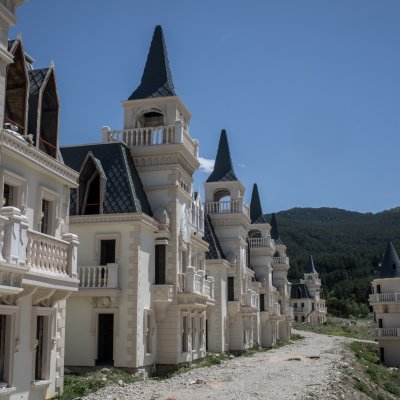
390,267
157,78
274,229
310,268
256,214
223,168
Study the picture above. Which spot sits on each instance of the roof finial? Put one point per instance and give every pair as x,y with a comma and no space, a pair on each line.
223,168
157,78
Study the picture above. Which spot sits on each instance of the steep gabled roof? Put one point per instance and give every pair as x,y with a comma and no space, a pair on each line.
256,214
294,291
274,229
310,267
215,250
157,78
223,167
124,191
390,266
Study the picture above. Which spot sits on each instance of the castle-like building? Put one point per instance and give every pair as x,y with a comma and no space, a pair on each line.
38,255
164,277
385,301
306,297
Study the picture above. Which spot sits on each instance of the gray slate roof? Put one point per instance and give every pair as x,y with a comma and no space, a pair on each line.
157,78
124,191
305,294
256,214
215,250
223,167
310,267
390,266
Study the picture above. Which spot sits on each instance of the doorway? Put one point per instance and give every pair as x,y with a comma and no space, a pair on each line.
105,340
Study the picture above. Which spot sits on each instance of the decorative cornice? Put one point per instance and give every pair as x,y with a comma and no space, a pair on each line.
15,143
129,217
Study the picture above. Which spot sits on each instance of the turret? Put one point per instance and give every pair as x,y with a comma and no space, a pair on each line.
311,278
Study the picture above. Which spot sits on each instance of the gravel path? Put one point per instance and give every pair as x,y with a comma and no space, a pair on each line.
308,368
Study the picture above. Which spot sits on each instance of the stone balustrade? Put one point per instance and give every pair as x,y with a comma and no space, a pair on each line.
99,276
393,297
261,242
48,254
387,332
152,136
227,207
162,292
193,281
284,260
250,299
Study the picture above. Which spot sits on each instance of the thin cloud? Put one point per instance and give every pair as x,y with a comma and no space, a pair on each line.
206,165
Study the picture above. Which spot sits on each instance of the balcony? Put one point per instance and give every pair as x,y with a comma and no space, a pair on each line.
250,299
162,296
284,260
227,207
194,283
393,297
98,277
387,333
153,136
261,242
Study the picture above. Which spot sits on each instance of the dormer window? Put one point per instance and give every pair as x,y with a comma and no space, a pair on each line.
16,91
92,182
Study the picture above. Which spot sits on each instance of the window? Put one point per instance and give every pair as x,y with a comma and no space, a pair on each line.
40,344
262,299
295,318
202,332
159,276
386,309
2,348
231,288
302,305
194,333
184,334
92,198
107,251
303,318
378,289
148,332
295,305
184,261
45,223
312,306
381,354
8,195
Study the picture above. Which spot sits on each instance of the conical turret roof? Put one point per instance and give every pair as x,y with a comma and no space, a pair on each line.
390,267
256,214
157,78
310,267
274,229
223,167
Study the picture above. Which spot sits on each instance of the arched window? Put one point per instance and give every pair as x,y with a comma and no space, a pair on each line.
48,139
151,119
16,91
223,197
254,233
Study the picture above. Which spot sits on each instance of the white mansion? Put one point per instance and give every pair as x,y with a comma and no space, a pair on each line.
164,277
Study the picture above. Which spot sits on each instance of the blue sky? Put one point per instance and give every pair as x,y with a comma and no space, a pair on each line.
308,91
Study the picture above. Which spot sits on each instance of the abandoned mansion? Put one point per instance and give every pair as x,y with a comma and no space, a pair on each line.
107,254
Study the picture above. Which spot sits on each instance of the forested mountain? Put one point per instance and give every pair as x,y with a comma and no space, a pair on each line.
347,246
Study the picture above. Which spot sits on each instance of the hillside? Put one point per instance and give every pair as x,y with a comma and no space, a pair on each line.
346,246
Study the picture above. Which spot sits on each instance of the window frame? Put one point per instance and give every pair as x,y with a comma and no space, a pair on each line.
19,185
107,236
54,200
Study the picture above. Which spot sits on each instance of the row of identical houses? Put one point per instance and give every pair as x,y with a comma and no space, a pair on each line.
161,276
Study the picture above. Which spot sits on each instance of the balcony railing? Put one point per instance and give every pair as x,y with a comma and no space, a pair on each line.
152,136
98,277
284,260
261,242
195,282
250,299
227,207
384,297
162,292
387,332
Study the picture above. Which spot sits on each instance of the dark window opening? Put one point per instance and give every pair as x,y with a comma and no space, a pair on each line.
312,306
378,289
45,226
8,195
303,318
152,119
295,318
160,265
299,296
39,348
105,340
380,323
262,300
382,354
184,334
254,233
107,252
16,92
231,288
2,347
92,205
302,305
49,119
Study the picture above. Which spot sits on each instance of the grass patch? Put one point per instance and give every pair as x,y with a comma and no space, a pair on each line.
387,379
357,330
79,385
